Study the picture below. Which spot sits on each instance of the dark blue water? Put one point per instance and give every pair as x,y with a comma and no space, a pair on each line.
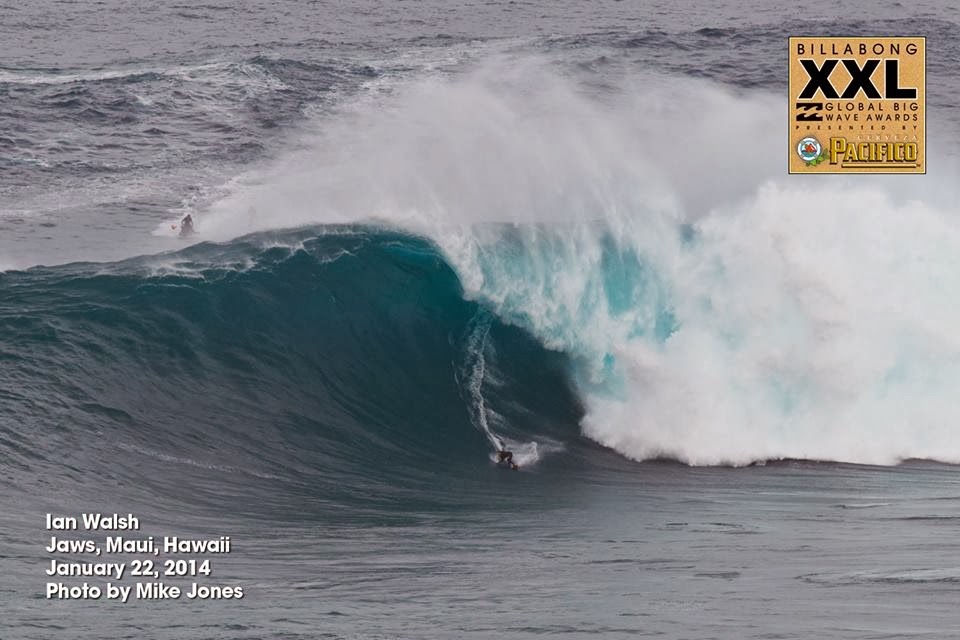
428,228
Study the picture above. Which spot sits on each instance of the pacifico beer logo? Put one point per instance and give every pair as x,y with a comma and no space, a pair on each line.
857,105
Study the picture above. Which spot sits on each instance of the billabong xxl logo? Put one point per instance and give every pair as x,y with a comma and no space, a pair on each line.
864,98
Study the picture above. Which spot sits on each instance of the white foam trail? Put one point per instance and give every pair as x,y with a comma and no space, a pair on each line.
808,317
472,373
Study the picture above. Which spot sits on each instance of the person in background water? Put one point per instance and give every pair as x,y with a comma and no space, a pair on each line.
186,226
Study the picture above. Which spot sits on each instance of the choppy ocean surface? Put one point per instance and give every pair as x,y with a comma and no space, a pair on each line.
427,228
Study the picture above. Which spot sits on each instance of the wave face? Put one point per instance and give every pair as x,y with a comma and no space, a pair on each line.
343,358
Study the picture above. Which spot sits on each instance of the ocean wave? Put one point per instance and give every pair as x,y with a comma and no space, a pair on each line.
323,356
714,312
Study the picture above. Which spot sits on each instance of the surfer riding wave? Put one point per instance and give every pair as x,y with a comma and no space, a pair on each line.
505,456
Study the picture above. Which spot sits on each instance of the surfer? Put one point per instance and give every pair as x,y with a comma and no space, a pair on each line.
506,456
186,226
